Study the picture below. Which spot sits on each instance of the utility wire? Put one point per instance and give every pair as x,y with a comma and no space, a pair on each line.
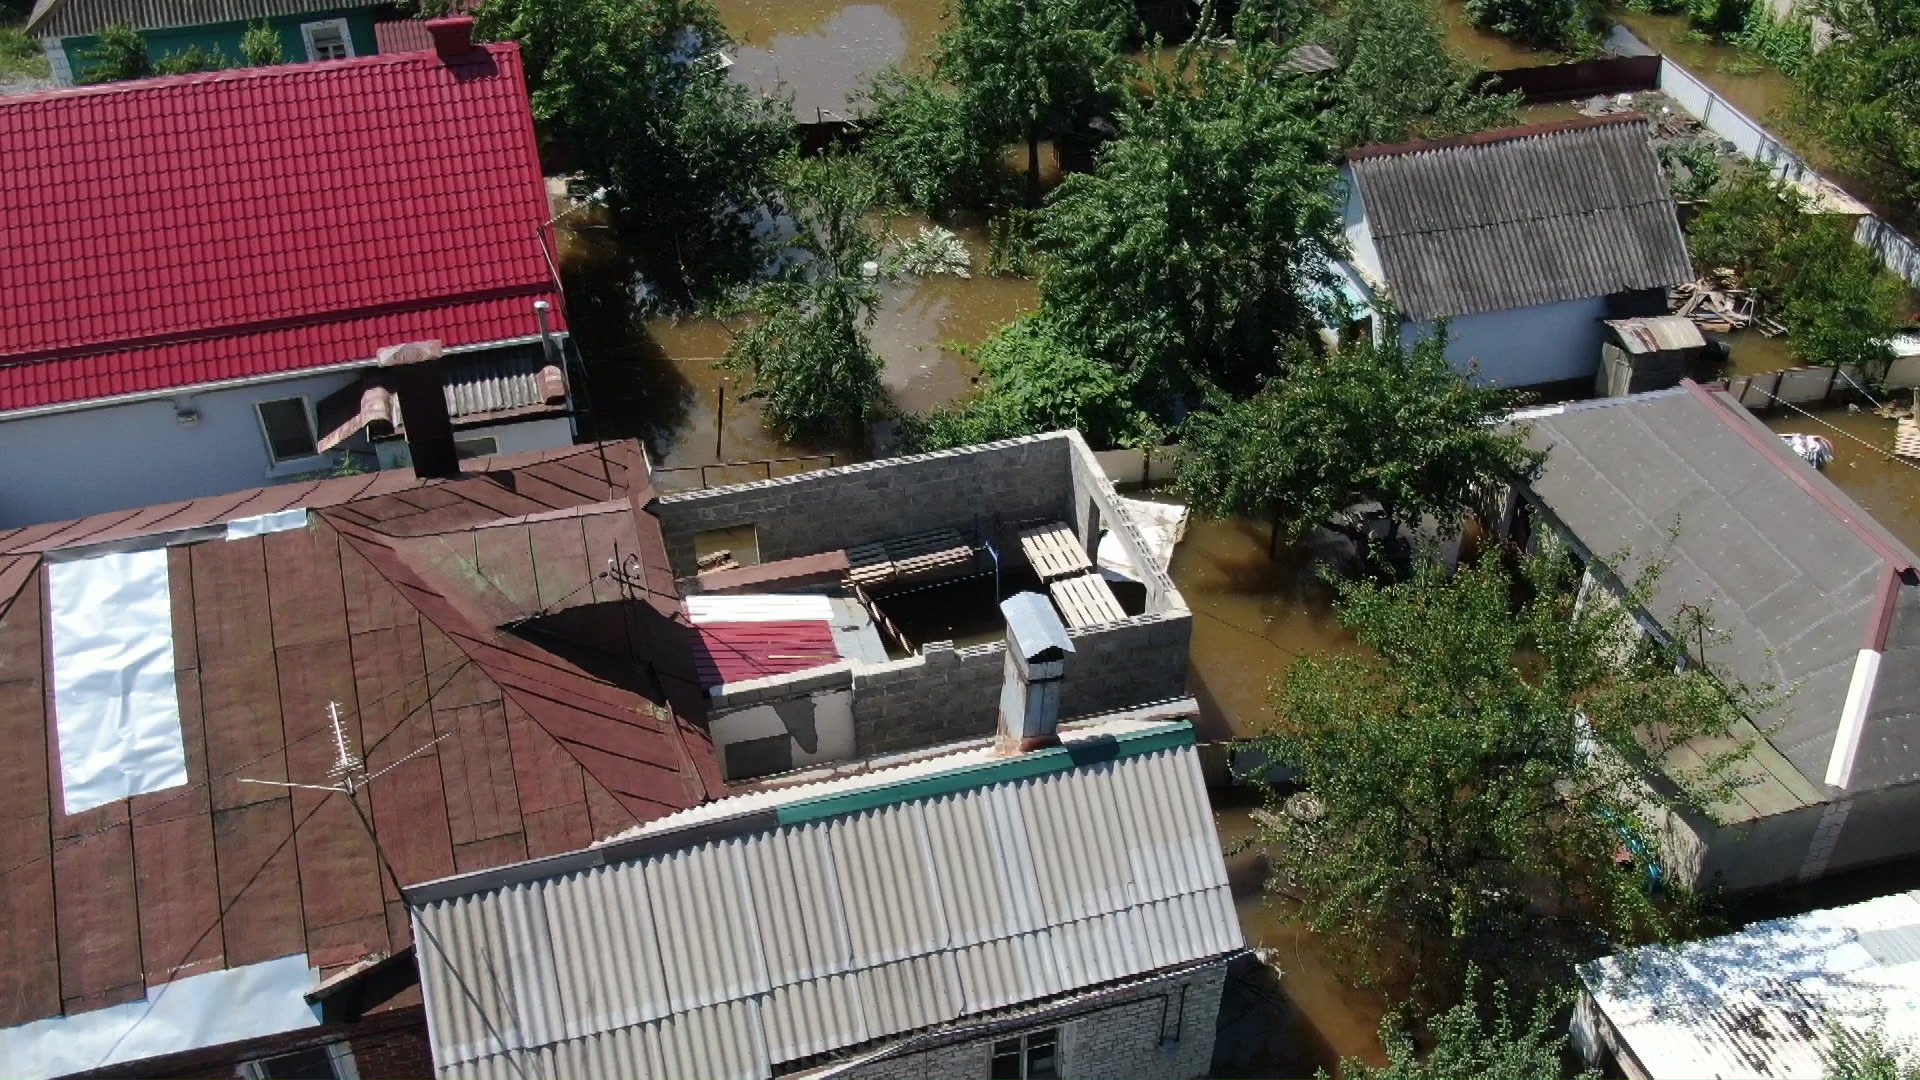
1844,433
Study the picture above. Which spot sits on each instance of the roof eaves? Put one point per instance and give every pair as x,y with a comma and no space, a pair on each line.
1487,138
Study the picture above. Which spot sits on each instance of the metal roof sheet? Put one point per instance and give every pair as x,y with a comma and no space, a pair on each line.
1659,334
1758,1002
894,917
282,218
1521,216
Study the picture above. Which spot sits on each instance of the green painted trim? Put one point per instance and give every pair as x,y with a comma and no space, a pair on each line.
1053,759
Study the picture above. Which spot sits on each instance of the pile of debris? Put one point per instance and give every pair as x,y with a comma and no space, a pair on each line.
1718,304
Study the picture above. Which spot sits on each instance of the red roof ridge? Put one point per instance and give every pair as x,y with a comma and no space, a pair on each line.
1496,135
271,71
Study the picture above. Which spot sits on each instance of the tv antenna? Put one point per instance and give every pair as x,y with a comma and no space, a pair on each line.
349,772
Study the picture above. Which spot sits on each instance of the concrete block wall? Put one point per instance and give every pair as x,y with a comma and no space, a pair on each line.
946,694
1120,1036
856,504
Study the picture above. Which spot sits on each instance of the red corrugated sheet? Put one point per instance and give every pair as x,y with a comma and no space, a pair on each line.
731,652
177,231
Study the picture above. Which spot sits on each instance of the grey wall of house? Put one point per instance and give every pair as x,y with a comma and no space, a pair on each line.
1120,1036
1811,842
115,457
945,694
1525,346
856,504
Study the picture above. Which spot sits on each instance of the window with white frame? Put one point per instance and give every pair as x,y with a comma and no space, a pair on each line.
1034,1055
327,39
288,425
333,1061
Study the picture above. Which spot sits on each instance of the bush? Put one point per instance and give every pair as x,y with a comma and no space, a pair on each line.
20,55
192,59
261,46
1573,27
120,54
932,147
1860,93
1785,43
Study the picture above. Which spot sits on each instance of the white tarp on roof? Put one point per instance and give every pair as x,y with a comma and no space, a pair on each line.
1161,525
114,701
759,607
186,1014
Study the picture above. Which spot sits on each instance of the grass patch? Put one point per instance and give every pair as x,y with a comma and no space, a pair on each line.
20,55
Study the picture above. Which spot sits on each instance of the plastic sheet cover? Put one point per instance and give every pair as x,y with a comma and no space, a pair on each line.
213,1009
1161,526
114,700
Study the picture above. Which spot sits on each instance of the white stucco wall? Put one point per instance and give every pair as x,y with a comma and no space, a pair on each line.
832,729
1524,346
117,457
1361,251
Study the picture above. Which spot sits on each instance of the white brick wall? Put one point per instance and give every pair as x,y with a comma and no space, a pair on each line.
1119,1038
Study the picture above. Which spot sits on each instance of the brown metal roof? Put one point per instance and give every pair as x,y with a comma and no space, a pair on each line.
478,608
1662,333
1521,216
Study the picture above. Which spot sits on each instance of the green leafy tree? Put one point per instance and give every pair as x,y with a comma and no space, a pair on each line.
121,53
261,45
1744,222
639,96
1490,1033
1399,78
1386,424
1840,306
1472,777
1869,1055
1187,257
807,351
1573,27
1038,67
1861,92
937,149
191,60
1033,381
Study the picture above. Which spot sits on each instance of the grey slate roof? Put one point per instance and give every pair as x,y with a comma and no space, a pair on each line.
78,18
1792,572
1524,216
779,924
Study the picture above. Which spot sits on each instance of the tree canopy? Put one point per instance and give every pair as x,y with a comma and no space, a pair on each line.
261,45
1491,1033
1472,778
1861,91
937,147
1386,423
638,96
1400,79
1187,257
121,53
1573,27
1869,1054
806,349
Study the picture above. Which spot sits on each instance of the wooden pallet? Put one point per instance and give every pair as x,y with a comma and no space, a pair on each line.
916,557
1054,551
1085,601
1906,438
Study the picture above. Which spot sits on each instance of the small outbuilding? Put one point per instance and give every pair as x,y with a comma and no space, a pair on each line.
1522,240
1647,354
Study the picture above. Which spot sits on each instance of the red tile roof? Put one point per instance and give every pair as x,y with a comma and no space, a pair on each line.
178,231
478,608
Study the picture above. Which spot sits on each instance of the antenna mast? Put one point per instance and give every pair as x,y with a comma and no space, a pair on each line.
349,772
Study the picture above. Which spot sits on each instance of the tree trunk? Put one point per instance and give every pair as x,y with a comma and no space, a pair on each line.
1033,166
1273,541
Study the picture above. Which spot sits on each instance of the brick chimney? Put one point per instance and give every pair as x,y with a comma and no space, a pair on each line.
413,371
1037,648
452,36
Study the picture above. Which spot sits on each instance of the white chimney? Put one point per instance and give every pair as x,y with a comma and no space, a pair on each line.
1037,648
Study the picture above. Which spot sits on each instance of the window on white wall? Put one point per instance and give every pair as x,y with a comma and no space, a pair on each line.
1032,1056
327,39
334,1061
288,425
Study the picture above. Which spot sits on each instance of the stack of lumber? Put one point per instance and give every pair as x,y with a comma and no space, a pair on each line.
1715,304
1085,601
919,557
1053,550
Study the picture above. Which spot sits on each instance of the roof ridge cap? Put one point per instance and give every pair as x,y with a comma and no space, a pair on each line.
1492,136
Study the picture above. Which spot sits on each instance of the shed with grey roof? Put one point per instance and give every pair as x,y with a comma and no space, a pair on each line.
961,901
1524,238
1811,595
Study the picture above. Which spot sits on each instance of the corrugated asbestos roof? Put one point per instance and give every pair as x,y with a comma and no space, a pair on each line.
1522,216
856,910
76,18
1758,1003
1793,573
281,219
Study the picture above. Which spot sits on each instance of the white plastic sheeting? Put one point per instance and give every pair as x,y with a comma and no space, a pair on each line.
1161,525
261,524
186,1014
759,607
114,699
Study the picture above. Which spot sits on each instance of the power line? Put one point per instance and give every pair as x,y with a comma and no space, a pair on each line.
1844,433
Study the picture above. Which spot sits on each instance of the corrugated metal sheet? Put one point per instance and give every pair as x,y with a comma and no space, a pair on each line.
805,938
1759,1003
1660,334
129,281
73,18
1521,217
